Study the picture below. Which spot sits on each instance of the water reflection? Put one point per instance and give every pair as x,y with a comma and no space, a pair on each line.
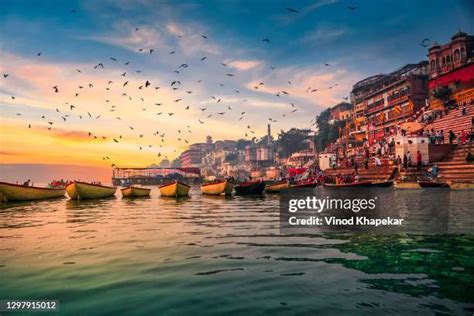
227,255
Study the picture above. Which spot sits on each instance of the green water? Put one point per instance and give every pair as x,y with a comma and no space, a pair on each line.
217,255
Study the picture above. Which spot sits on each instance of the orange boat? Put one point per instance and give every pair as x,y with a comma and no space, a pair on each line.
217,188
82,190
135,192
174,189
16,192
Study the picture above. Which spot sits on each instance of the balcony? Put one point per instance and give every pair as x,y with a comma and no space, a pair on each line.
375,109
401,98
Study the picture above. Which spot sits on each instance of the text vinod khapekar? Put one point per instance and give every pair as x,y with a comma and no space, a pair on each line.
332,204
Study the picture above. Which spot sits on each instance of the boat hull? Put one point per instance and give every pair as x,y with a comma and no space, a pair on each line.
217,188
304,185
382,184
361,184
15,192
277,187
250,188
433,184
86,191
407,185
135,192
460,185
175,189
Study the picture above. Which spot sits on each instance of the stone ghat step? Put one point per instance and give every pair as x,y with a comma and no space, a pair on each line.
457,177
459,152
457,168
451,117
452,163
451,173
458,155
453,122
454,159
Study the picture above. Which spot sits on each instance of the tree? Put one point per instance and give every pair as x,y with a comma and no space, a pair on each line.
264,140
242,143
443,94
176,163
327,133
165,163
231,157
291,141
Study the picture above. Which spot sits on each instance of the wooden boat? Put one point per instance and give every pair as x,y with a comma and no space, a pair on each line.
132,191
406,185
217,188
461,185
433,184
349,185
16,192
304,184
382,184
276,187
250,188
174,189
82,191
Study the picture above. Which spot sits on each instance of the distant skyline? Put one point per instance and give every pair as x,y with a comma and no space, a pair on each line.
218,47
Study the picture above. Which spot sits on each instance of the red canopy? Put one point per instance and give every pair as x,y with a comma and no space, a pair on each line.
296,171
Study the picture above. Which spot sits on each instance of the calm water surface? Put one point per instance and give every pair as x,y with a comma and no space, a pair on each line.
215,255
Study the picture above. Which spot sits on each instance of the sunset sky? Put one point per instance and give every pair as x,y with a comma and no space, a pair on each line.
75,36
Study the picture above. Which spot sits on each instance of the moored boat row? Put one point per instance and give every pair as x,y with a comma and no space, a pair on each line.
82,190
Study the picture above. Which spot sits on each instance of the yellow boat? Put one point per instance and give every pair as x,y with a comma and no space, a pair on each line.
277,186
16,192
217,188
407,185
174,189
82,190
461,185
135,192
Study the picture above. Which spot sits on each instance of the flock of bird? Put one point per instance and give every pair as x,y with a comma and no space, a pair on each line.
70,108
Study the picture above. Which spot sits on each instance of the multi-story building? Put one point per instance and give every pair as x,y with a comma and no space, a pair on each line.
193,156
385,100
341,112
452,66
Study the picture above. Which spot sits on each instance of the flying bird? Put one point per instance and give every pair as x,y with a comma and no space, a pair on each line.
425,42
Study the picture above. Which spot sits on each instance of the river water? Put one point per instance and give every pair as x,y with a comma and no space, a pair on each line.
221,255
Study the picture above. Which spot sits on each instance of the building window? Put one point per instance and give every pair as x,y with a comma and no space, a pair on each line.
443,62
433,65
448,60
457,55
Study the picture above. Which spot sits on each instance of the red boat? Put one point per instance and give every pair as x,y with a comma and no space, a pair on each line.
250,188
349,185
433,184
